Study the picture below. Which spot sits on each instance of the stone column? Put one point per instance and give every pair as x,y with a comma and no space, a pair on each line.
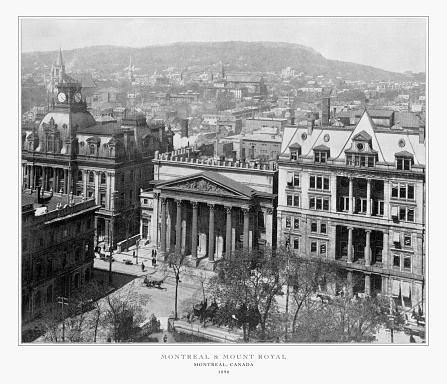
269,226
368,197
211,234
385,251
246,212
108,176
349,282
163,227
44,178
351,199
350,244
368,284
368,248
228,234
65,181
97,174
194,230
55,180
155,220
178,228
84,182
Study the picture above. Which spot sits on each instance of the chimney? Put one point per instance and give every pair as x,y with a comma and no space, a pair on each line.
310,125
326,108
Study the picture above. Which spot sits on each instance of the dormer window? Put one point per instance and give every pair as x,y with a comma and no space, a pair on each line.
321,154
295,151
92,149
404,161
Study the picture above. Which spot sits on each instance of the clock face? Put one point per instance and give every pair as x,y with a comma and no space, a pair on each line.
61,97
77,97
360,146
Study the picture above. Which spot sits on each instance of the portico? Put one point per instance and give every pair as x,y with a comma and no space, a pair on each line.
208,215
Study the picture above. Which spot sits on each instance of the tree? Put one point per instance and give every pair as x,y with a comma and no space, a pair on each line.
179,265
305,277
246,286
123,312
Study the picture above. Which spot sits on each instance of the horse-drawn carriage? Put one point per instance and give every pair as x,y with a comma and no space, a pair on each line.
204,312
153,281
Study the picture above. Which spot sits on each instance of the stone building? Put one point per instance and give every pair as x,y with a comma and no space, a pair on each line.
207,208
57,248
356,196
70,152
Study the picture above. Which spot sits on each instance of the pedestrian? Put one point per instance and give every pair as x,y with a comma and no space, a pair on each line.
152,254
165,338
134,254
154,261
155,253
142,267
412,339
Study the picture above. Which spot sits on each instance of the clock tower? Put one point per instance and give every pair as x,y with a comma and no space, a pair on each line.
69,95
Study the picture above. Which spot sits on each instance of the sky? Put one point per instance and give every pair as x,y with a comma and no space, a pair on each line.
394,44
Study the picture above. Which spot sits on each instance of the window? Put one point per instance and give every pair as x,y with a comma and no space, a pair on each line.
103,178
403,164
92,149
296,243
91,177
319,182
323,228
314,227
103,200
145,201
319,203
293,155
293,179
407,239
260,219
396,261
293,200
406,214
378,207
288,222
344,203
320,157
296,223
360,205
407,262
402,191
313,247
322,248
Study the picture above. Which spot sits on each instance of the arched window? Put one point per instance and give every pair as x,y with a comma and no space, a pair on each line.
103,178
91,177
92,149
79,175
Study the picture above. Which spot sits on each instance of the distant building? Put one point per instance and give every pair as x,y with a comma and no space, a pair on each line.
254,84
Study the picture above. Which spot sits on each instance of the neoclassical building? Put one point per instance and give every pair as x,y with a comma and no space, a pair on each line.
71,153
208,208
356,196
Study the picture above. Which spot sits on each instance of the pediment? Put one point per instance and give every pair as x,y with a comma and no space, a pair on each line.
201,185
209,183
362,136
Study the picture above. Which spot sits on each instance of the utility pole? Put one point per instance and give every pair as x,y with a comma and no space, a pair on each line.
63,301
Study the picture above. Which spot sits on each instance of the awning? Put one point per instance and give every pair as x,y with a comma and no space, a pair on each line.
394,211
405,289
289,177
396,237
396,288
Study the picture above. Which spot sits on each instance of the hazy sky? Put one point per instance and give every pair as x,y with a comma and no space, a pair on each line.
394,44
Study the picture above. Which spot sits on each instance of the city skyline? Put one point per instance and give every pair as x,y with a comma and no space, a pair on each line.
377,42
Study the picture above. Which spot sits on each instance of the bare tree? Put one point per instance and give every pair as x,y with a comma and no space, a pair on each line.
179,264
123,312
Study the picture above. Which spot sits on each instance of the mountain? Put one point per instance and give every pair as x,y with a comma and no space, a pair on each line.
235,55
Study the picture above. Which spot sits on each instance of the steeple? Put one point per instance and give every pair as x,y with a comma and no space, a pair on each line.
60,61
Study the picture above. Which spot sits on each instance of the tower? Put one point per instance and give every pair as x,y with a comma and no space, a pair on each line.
57,73
131,76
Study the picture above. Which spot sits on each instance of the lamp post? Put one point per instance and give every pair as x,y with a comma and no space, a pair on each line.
63,301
